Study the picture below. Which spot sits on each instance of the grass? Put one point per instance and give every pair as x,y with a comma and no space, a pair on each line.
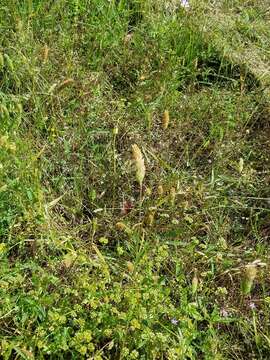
100,260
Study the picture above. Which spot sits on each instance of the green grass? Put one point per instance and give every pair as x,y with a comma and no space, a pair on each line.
92,266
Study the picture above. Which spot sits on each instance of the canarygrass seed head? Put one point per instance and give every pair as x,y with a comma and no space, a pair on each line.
172,195
160,190
130,266
150,219
165,120
120,226
241,165
195,282
251,272
65,83
139,163
249,275
45,53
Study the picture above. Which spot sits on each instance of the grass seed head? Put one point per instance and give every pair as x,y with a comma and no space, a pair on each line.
241,165
150,219
45,53
195,282
172,195
139,163
250,273
130,266
165,120
160,190
120,226
65,83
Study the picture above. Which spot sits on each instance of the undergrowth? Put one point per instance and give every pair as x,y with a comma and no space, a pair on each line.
115,251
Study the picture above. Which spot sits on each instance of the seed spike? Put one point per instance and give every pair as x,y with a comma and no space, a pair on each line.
139,163
165,120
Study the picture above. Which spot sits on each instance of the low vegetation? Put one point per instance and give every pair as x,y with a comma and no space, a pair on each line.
134,179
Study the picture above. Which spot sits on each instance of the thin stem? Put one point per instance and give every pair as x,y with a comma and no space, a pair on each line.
141,201
114,166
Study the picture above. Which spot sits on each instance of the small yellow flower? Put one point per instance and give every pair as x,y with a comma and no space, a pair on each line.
103,240
115,130
135,324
